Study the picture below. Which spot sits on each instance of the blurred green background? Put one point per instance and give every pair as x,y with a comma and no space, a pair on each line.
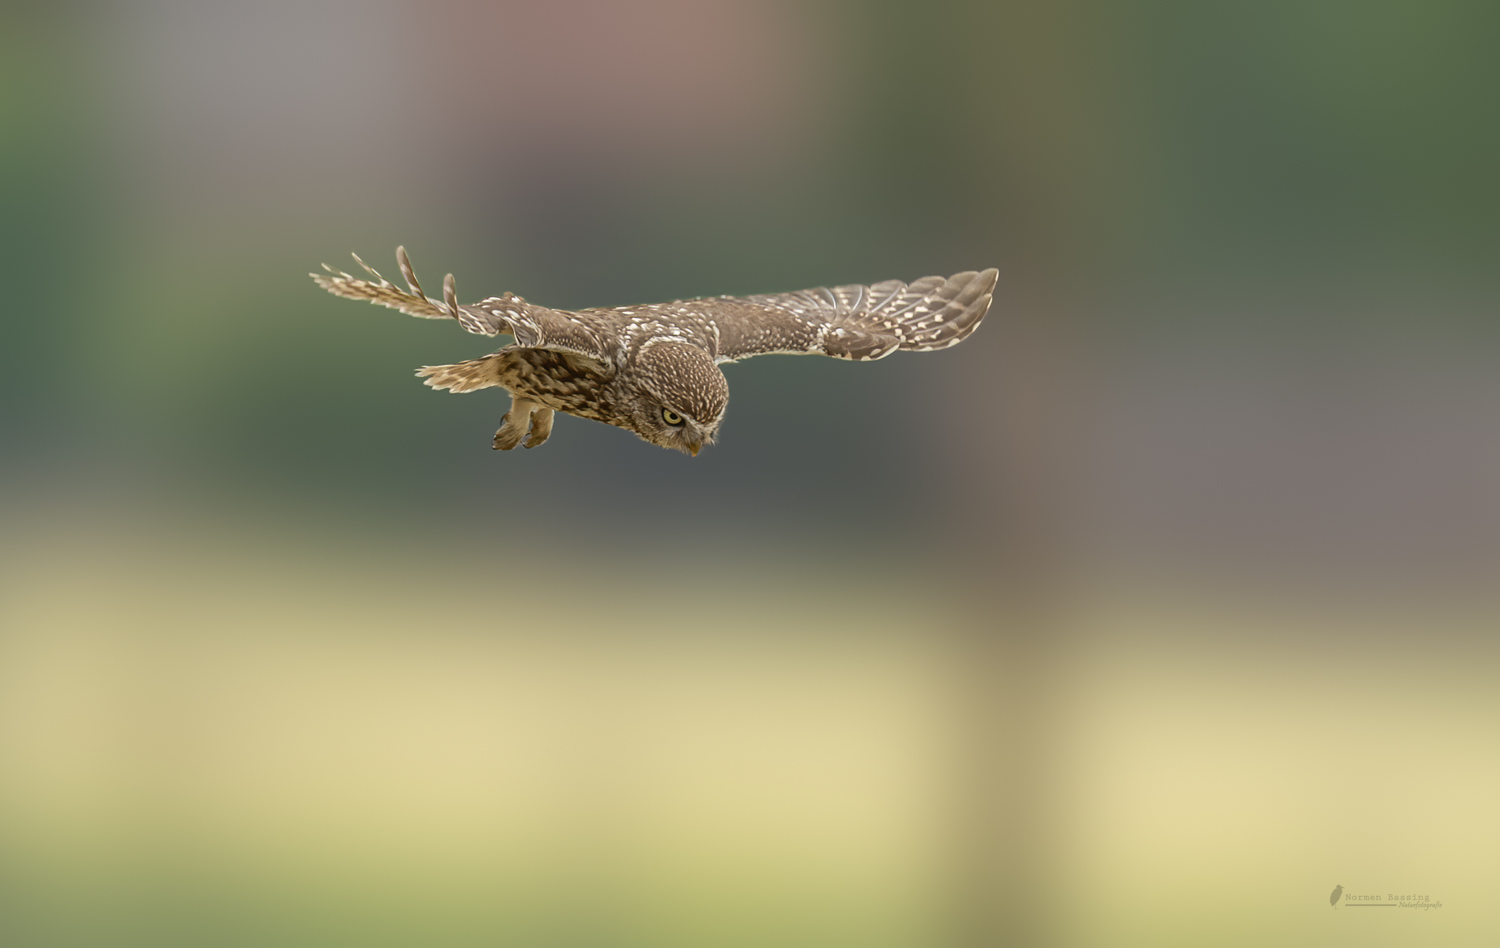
1154,611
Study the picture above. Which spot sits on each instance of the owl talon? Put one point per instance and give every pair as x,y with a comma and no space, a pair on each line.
506,438
524,415
541,427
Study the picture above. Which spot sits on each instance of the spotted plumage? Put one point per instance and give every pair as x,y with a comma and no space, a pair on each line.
654,369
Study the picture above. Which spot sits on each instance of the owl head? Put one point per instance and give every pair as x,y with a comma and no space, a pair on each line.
680,396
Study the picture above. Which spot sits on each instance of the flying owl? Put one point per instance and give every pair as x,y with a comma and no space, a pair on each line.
654,369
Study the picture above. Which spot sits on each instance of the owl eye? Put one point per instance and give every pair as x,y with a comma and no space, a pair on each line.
672,418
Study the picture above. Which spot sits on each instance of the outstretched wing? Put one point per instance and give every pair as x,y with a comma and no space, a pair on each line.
532,326
853,322
385,293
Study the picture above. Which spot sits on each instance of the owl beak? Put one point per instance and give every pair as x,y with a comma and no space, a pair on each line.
694,448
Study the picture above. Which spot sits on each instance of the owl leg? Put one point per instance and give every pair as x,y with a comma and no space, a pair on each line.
541,427
517,422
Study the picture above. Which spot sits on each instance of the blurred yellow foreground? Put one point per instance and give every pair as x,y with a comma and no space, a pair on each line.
213,735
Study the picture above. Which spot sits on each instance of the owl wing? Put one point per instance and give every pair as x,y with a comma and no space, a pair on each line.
534,327
853,322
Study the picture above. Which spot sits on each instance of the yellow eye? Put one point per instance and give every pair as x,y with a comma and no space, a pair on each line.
672,418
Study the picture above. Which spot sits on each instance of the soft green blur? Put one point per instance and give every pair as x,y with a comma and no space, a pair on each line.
1148,615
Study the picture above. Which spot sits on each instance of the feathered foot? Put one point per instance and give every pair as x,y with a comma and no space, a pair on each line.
541,427
524,416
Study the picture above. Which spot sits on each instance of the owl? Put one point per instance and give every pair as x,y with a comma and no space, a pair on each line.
654,369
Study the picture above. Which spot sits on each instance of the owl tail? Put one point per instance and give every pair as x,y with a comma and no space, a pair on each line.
467,376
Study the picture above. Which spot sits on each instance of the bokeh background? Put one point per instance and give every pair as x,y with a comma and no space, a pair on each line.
1157,609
